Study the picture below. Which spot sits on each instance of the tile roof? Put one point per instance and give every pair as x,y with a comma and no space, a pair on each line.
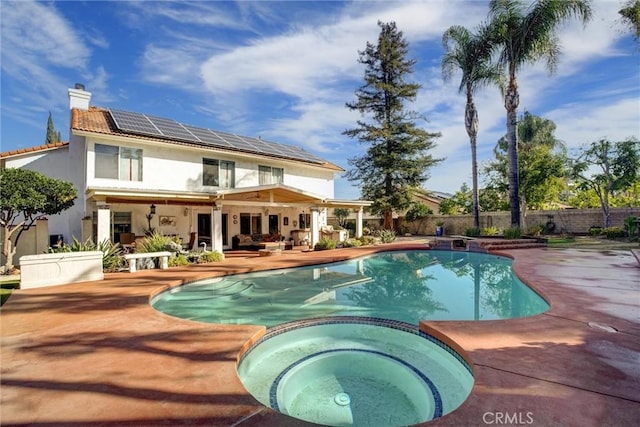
42,147
93,120
99,120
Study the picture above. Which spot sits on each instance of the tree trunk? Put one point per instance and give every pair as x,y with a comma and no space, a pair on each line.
511,101
606,210
471,124
388,219
8,251
523,212
603,196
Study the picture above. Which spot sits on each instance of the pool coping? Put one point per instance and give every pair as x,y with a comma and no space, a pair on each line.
100,347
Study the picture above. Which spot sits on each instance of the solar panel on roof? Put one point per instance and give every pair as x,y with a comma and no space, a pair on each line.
167,128
250,143
205,135
172,129
134,122
234,141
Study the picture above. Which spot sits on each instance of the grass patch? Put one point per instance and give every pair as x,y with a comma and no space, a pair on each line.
564,240
6,289
590,242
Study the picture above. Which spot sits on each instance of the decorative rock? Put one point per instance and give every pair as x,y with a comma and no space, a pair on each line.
269,252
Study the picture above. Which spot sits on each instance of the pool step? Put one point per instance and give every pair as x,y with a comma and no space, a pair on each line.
232,289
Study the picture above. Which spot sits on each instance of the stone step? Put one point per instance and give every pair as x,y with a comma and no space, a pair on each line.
515,246
479,245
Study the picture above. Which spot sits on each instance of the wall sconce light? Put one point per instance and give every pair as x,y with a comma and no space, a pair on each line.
186,211
152,212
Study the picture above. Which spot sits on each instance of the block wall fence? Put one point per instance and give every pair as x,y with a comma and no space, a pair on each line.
570,221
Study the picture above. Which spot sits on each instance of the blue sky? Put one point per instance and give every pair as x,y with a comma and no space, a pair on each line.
284,71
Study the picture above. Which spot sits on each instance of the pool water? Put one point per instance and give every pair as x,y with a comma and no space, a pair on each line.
407,286
343,371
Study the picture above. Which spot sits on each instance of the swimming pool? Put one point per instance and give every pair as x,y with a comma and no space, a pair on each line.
407,286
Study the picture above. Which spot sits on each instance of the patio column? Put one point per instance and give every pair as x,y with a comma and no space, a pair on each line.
359,222
104,223
315,227
216,229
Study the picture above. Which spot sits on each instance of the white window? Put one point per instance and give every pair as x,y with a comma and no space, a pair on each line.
130,164
121,163
270,175
218,173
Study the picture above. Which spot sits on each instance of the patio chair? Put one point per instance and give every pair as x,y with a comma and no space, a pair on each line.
192,240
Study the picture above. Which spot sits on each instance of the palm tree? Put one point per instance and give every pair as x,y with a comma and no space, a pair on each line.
630,14
471,54
523,36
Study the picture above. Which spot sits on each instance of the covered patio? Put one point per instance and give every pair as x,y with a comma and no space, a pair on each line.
211,219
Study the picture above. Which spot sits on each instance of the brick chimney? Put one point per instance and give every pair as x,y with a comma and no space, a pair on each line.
79,98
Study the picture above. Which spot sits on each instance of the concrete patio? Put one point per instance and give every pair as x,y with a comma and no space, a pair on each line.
96,353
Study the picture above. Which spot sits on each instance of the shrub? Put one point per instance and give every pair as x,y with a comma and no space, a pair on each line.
366,231
214,256
178,260
352,243
325,244
489,231
404,230
112,259
75,246
595,230
513,233
630,226
386,236
614,232
535,230
472,232
367,240
155,242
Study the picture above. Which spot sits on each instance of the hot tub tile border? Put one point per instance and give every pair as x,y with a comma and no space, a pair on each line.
374,321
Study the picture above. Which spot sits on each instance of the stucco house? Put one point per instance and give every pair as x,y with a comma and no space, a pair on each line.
136,173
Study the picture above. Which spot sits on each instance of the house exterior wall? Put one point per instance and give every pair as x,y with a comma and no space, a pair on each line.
179,168
34,240
167,167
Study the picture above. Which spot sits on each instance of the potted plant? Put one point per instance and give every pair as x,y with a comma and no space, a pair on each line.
439,228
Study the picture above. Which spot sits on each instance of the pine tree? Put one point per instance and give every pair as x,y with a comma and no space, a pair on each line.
52,135
397,160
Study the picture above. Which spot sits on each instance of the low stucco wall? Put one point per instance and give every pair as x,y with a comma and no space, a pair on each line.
60,268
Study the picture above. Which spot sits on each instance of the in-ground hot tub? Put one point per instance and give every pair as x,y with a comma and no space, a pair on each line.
343,371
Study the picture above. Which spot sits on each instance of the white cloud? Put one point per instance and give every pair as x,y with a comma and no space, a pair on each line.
583,124
597,39
37,31
303,59
39,49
